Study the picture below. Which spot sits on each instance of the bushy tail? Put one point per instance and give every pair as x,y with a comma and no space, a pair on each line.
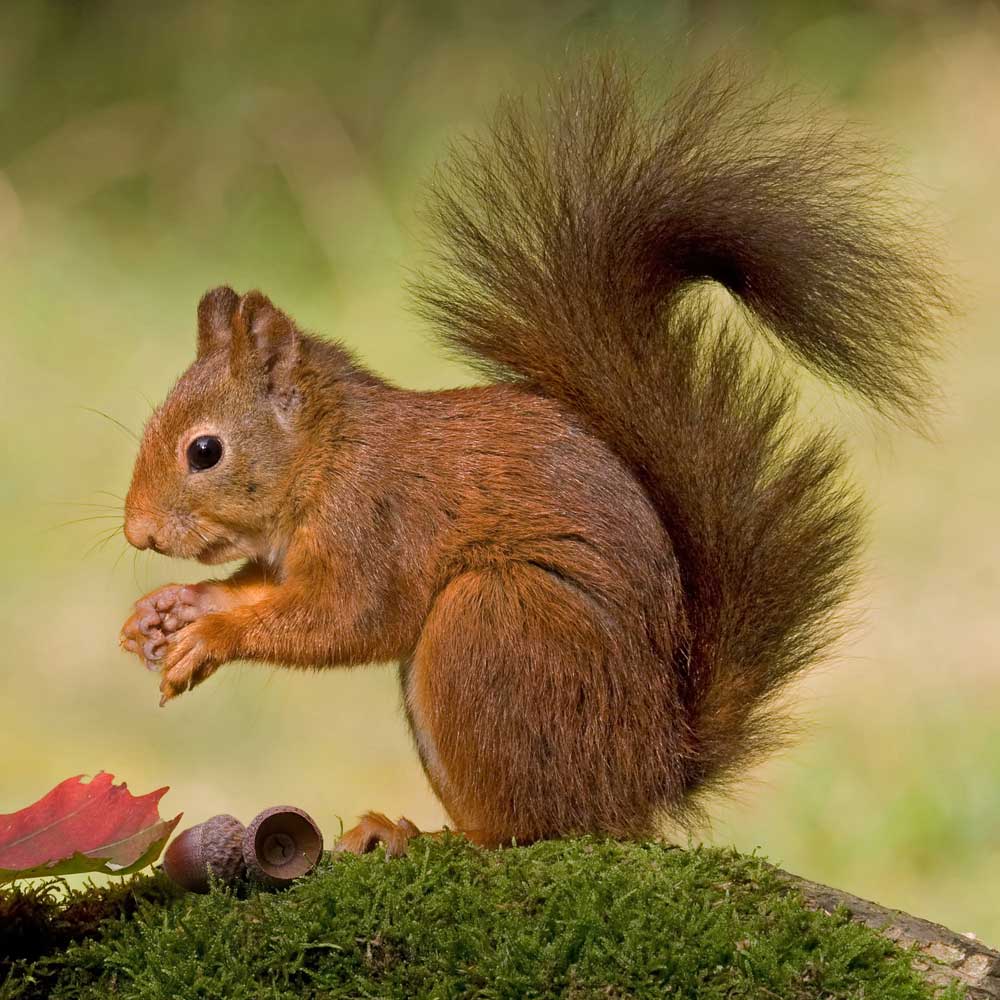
571,240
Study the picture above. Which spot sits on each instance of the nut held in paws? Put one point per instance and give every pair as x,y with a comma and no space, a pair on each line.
281,844
215,846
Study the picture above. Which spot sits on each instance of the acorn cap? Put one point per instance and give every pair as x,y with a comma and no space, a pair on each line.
215,846
281,844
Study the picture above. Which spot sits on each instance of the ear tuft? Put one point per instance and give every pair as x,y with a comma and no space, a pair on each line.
273,339
215,319
255,318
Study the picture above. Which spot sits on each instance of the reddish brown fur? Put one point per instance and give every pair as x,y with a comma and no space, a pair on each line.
597,572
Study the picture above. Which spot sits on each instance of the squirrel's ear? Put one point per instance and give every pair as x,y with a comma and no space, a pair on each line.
216,312
273,340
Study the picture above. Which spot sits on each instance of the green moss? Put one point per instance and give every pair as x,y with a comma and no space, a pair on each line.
581,918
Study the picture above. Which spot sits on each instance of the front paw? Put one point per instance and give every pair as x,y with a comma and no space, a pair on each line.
190,658
160,615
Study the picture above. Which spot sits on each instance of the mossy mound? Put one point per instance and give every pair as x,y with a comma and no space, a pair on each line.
579,918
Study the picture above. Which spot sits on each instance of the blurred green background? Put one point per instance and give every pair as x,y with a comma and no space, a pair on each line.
150,151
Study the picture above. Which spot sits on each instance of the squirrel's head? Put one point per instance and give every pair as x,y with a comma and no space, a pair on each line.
215,457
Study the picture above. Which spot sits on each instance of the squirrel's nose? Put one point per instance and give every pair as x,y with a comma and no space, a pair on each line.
139,532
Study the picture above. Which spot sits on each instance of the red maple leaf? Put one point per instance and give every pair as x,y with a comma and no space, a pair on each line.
79,826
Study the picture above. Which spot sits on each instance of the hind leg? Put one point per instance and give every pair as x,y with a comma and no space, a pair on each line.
522,696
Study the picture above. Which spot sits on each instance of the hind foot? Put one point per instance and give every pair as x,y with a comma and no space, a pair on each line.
375,829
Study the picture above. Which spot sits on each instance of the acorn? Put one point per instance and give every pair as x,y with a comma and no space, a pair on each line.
281,844
215,846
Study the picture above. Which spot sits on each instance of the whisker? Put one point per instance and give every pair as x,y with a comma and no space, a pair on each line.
201,534
107,539
80,503
81,520
121,555
104,538
151,425
155,510
128,430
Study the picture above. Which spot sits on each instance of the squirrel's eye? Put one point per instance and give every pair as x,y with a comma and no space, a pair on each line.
204,452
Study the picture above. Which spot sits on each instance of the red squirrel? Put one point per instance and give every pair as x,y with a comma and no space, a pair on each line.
598,570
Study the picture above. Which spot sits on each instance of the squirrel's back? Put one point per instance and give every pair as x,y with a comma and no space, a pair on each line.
571,242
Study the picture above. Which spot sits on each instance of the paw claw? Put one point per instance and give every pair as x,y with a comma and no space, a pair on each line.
163,632
158,617
149,622
186,661
152,649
